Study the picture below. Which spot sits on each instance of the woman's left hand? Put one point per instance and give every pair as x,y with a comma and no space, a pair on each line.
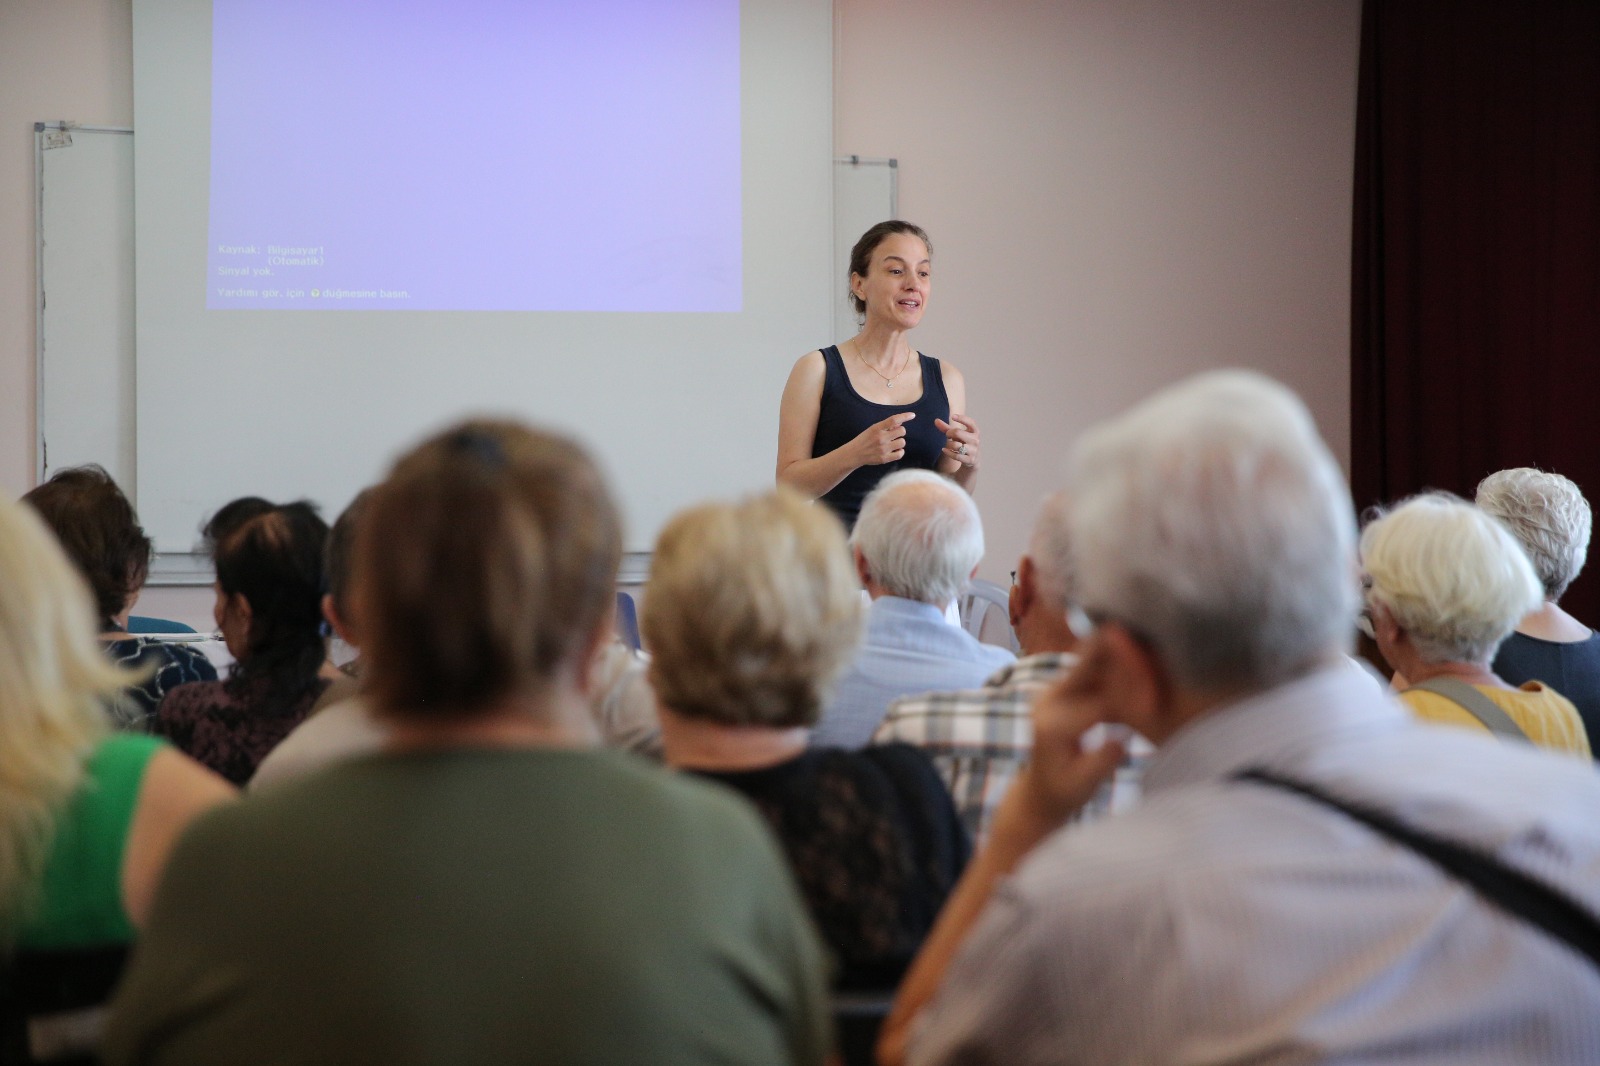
961,439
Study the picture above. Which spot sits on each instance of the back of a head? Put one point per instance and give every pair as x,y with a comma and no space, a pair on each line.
99,531
484,565
1050,548
1453,577
1211,520
337,563
274,561
229,517
752,610
1548,515
921,536
53,681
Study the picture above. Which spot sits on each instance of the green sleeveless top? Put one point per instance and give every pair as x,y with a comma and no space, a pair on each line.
80,902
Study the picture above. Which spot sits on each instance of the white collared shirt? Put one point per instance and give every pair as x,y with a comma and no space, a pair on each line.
1230,922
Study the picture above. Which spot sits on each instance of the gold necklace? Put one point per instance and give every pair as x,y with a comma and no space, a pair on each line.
886,380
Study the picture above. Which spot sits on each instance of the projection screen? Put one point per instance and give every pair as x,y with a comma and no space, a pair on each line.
359,221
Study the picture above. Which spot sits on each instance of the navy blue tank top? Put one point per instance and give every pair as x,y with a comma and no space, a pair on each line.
844,414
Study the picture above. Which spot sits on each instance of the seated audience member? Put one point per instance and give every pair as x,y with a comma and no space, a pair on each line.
980,738
1550,519
336,607
751,610
618,694
1230,918
87,816
269,608
1447,584
96,526
917,542
344,727
491,888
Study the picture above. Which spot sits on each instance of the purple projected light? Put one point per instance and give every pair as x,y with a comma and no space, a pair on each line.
489,155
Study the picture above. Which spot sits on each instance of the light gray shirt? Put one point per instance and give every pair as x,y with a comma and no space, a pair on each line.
908,649
1226,922
622,702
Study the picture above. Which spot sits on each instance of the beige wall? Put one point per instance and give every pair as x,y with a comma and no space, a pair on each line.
59,59
1120,192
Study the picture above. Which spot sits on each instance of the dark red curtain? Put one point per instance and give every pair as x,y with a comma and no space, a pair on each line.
1475,340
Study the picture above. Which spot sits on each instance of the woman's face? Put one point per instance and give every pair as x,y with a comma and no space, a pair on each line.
895,288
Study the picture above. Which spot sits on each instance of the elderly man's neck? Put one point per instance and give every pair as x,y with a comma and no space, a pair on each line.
1184,704
877,592
1043,630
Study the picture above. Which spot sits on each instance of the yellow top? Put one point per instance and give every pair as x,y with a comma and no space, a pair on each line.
1549,718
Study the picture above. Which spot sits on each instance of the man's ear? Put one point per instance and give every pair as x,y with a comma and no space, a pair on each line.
1138,691
1023,591
863,571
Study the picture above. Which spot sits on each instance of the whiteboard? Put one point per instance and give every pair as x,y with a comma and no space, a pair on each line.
865,193
84,202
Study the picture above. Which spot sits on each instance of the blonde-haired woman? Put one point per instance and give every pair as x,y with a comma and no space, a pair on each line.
751,611
87,816
1447,584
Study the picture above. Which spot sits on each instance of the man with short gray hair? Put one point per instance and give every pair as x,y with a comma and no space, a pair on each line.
979,739
917,542
1312,875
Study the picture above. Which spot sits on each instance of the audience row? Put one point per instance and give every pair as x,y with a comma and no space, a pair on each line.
456,846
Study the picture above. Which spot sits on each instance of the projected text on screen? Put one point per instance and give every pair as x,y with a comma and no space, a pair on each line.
492,155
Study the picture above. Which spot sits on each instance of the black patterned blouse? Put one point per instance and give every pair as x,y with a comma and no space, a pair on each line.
230,727
171,665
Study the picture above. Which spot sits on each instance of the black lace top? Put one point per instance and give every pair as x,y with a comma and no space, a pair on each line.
230,728
875,844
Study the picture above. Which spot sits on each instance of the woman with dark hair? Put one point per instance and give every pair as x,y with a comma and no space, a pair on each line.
96,526
269,608
229,517
843,425
491,887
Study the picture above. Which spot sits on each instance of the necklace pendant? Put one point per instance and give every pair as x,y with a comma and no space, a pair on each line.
891,384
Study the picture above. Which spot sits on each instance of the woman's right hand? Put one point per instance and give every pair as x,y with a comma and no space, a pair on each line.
883,442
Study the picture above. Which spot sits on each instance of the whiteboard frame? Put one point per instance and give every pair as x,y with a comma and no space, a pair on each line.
845,324
40,129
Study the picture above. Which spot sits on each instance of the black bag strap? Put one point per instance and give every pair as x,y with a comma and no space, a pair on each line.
1475,703
1512,891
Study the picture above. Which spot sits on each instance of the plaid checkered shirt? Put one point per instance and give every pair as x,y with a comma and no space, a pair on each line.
981,738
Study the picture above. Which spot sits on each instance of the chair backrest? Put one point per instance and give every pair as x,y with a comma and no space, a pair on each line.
144,625
52,1004
857,1019
986,613
627,621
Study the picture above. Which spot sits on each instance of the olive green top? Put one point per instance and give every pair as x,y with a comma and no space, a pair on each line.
80,898
479,906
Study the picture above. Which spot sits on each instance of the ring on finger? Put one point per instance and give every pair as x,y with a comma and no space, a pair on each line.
961,450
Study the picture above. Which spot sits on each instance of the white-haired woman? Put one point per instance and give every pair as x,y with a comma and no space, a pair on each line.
1447,584
752,610
1551,520
87,816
